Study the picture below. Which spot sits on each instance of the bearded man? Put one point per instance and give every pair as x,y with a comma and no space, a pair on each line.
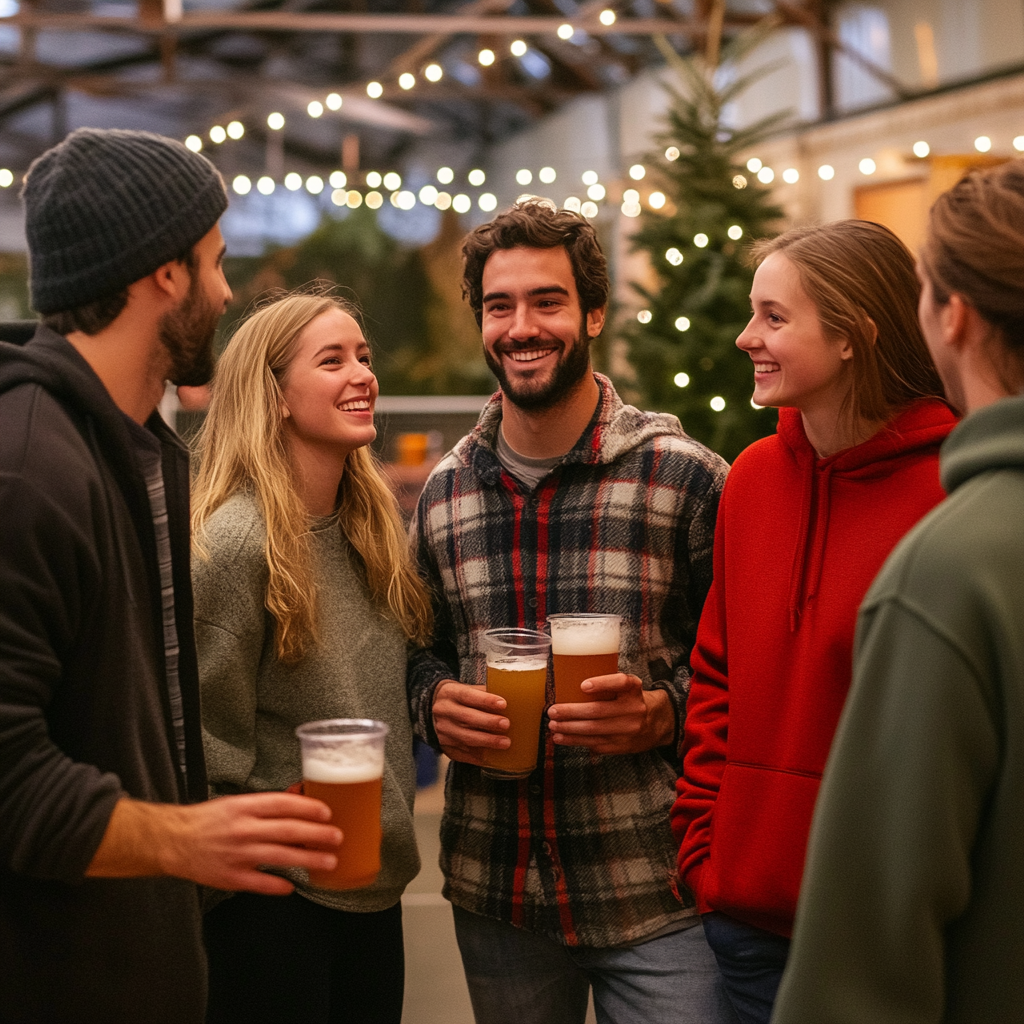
105,825
563,499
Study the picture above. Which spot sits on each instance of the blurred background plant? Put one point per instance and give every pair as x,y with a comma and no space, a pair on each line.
682,342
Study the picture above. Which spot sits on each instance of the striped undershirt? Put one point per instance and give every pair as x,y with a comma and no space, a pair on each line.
149,453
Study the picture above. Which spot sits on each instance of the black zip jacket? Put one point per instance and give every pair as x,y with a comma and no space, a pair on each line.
84,716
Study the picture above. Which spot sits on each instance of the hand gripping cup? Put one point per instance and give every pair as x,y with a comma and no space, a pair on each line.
343,765
583,645
517,669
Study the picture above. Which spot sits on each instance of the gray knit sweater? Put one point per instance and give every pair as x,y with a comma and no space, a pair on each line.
252,702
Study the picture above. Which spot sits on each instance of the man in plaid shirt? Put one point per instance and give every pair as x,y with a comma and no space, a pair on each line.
562,499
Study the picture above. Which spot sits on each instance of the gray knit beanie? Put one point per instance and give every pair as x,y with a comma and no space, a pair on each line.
107,207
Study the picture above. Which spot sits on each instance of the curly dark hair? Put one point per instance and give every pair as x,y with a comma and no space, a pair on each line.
537,224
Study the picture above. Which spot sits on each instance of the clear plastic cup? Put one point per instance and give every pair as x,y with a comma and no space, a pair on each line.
343,765
517,669
583,645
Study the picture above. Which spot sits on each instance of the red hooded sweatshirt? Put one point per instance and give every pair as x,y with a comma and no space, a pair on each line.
798,541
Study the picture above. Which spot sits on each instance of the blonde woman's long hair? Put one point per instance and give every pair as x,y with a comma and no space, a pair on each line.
241,447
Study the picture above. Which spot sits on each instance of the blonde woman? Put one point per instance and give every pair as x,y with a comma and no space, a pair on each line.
305,604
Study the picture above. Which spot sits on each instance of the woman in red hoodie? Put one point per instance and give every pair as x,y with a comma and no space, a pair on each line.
807,518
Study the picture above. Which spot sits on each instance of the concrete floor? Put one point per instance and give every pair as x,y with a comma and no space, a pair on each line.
435,988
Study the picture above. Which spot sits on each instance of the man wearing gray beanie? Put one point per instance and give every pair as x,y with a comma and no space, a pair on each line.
106,827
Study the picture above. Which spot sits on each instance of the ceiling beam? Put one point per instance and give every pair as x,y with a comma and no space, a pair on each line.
356,22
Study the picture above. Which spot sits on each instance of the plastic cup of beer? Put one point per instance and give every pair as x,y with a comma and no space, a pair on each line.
517,669
583,645
343,765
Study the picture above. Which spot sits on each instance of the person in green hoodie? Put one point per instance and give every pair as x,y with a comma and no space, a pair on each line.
305,600
912,906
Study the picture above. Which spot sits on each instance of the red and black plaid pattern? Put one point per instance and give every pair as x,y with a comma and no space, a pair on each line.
580,851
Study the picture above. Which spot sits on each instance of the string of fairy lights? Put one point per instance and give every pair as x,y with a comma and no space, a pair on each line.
380,187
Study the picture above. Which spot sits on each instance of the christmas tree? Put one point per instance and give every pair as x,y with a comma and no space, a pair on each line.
682,343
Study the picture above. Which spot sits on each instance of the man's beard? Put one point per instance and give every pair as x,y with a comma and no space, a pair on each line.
568,373
186,333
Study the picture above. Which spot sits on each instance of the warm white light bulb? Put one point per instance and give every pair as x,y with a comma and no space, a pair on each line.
217,134
547,175
565,31
242,185
194,143
476,177
236,129
374,90
754,165
637,171
982,143
487,202
486,57
672,154
607,17
265,186
826,172
681,380
644,316
406,80
735,232
275,121
333,101
433,73
717,403
867,166
445,175
315,108
518,48
790,175
921,149
656,200
524,177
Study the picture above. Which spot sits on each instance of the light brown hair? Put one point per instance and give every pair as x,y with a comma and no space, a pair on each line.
861,278
975,247
537,224
241,447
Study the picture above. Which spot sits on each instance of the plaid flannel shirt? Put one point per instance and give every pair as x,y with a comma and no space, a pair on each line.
581,851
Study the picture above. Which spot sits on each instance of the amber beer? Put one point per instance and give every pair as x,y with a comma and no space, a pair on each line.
522,686
582,646
517,669
343,765
354,800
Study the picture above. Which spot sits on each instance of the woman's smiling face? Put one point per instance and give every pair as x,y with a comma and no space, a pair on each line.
795,364
329,389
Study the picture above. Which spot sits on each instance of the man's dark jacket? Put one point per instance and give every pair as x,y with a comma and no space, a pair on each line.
84,713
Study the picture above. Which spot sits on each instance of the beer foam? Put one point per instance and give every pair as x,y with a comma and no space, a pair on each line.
516,664
584,636
319,769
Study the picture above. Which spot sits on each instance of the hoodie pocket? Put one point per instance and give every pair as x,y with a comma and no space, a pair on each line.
759,836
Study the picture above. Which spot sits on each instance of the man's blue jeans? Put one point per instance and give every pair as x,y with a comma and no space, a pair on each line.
516,977
751,960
